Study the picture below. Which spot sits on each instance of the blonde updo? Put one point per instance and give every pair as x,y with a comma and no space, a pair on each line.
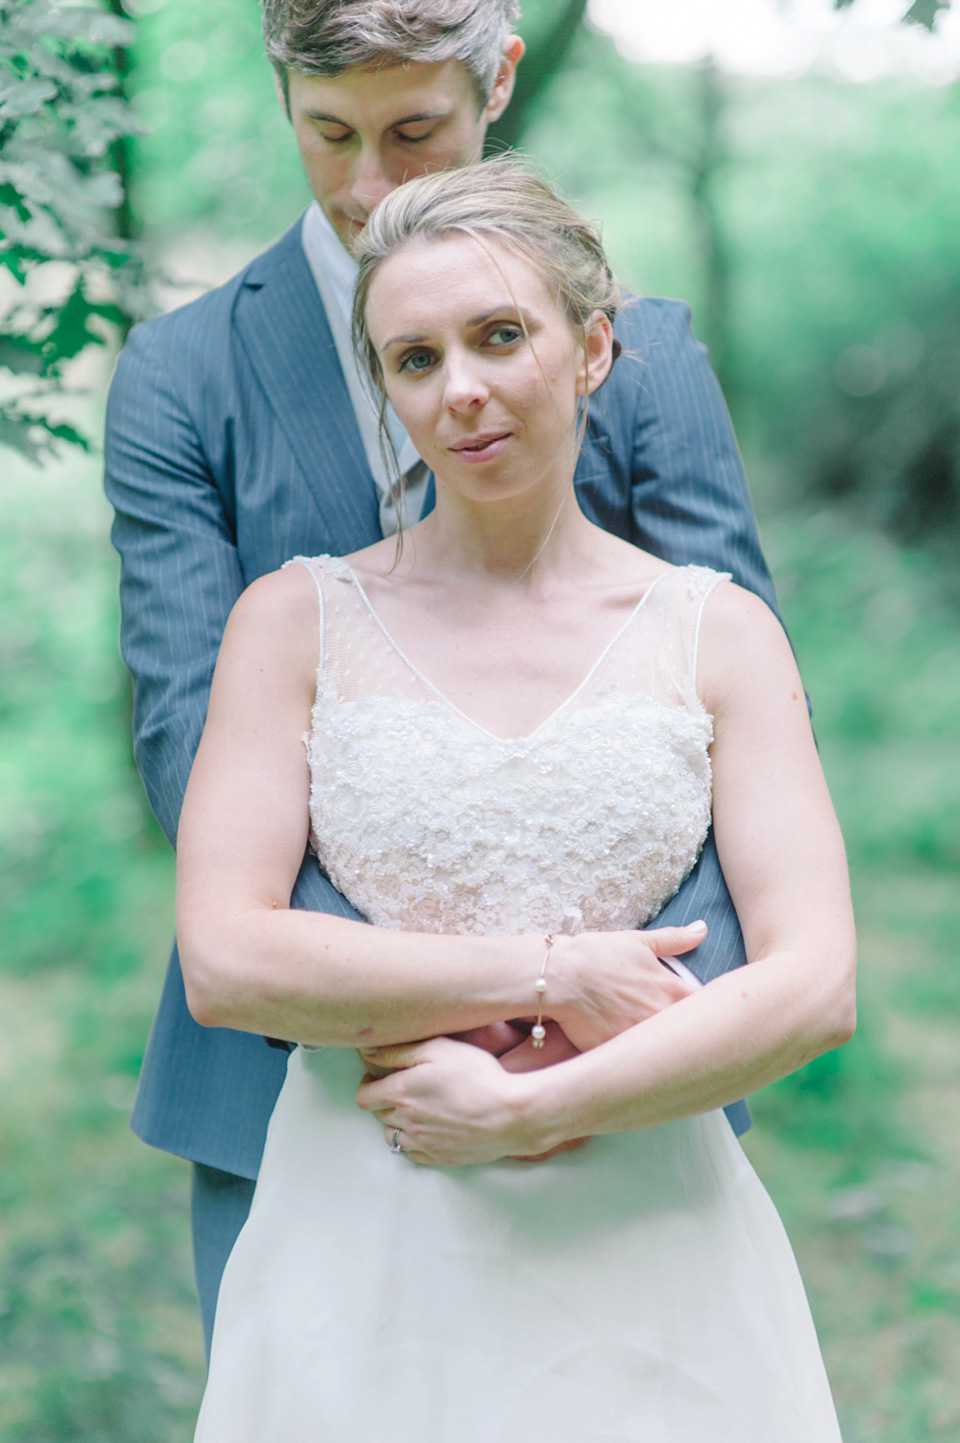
493,200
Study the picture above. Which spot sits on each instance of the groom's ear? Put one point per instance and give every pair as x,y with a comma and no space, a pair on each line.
502,90
600,350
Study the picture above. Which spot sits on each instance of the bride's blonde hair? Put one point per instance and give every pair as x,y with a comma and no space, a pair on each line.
500,200
493,200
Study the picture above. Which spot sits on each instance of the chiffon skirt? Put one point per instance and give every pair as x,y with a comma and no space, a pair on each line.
638,1290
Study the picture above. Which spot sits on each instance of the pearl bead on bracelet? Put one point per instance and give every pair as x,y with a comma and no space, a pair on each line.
538,1032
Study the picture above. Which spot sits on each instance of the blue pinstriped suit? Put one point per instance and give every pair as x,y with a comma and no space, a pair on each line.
231,445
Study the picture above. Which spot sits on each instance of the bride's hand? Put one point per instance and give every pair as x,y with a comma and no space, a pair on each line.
601,983
451,1103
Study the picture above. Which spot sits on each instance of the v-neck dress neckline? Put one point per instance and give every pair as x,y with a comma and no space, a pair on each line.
526,737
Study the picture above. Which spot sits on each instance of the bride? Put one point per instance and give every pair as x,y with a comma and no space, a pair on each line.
499,1198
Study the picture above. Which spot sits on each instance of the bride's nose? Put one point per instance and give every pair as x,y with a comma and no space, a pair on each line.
463,385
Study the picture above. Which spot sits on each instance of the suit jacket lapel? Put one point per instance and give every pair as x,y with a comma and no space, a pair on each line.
283,329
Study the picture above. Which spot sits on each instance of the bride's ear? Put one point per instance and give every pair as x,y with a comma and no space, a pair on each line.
600,349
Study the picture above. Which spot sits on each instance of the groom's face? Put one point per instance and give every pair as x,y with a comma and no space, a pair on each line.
364,132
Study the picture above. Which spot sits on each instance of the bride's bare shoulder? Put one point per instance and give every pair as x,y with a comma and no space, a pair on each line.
742,644
735,615
277,603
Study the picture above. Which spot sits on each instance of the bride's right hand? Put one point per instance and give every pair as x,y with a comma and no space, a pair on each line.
601,983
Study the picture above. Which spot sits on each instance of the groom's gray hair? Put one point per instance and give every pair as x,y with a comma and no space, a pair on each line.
326,37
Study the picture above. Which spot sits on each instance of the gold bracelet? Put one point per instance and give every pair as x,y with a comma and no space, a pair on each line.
538,1032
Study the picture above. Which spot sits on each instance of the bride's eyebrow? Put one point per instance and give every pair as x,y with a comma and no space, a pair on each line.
403,341
506,312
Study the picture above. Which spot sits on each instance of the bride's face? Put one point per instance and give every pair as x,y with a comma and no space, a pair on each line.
482,366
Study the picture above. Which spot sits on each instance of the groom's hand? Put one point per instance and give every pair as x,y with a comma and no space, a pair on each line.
498,1038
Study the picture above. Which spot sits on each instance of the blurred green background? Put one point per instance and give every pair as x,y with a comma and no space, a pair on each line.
813,225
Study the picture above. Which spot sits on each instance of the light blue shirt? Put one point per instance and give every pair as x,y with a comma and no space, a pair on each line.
335,272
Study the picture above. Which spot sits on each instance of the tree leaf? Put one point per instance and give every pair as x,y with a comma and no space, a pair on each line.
12,261
104,189
38,237
79,24
65,432
26,180
62,112
17,432
12,202
925,12
25,97
71,331
97,123
22,355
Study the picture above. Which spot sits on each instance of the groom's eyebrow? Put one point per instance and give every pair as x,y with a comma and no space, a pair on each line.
404,120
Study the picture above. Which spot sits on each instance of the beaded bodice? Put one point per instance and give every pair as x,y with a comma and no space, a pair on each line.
428,822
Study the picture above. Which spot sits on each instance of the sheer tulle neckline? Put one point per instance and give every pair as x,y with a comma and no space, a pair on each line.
524,737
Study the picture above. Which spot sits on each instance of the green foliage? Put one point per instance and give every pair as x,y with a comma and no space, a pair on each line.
885,685
921,12
217,149
99,1337
925,12
550,35
62,119
812,225
843,224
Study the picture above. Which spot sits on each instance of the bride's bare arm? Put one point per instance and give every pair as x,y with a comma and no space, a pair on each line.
252,963
783,859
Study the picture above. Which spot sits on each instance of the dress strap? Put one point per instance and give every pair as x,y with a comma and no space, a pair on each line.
309,565
706,582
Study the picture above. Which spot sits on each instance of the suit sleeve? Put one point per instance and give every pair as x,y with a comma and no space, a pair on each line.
688,494
689,502
180,573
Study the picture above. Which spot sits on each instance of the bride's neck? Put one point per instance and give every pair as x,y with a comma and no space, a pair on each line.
502,543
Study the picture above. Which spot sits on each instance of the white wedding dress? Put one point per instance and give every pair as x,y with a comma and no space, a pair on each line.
639,1290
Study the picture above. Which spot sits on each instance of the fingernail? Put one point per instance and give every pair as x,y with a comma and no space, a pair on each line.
698,926
368,1051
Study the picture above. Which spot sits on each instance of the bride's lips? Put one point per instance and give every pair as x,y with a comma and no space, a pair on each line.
480,448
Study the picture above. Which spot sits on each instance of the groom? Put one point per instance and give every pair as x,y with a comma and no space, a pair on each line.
238,435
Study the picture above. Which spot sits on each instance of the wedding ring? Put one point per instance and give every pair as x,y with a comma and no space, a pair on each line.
395,1141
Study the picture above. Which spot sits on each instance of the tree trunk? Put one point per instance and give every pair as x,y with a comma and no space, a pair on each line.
539,66
714,250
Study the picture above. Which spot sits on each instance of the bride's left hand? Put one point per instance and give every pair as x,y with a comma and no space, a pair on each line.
451,1103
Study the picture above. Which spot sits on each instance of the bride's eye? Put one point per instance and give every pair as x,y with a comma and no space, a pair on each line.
415,362
505,334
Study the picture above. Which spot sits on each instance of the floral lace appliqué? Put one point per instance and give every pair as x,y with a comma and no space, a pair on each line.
428,823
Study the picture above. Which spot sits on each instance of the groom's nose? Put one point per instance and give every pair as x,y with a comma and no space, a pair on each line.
372,179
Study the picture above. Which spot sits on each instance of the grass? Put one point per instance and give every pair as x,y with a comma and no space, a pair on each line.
861,1151
99,1336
